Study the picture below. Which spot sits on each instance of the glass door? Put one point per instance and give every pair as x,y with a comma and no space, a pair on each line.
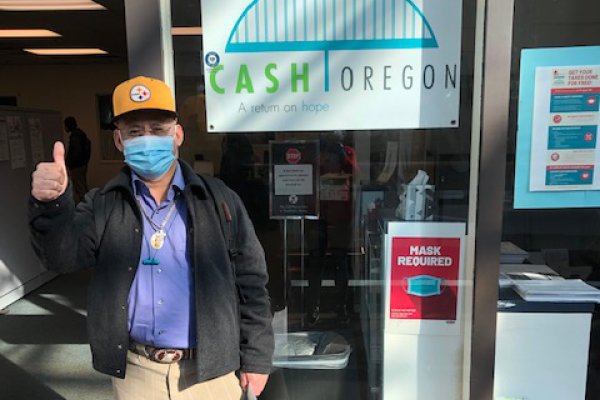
363,221
547,344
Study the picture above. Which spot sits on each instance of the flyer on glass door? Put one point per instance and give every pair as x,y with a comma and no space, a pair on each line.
564,146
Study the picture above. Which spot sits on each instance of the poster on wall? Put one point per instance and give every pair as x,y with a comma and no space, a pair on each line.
18,158
424,266
564,135
294,172
280,65
4,153
36,140
558,152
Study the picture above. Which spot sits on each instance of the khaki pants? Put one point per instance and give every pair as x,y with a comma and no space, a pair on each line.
148,380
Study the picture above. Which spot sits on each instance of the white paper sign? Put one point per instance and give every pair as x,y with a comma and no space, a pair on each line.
18,158
37,140
4,153
17,152
565,150
280,65
293,179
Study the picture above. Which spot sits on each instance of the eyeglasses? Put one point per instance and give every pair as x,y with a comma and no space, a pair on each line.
153,129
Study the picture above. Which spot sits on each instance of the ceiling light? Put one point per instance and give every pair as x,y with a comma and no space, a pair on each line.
27,33
186,31
65,52
49,5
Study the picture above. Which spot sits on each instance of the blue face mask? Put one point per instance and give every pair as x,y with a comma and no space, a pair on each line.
424,286
149,156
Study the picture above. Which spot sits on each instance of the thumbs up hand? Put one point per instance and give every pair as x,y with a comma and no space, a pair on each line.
50,180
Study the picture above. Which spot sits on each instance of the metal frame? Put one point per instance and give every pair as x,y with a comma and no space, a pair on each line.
150,53
149,42
490,199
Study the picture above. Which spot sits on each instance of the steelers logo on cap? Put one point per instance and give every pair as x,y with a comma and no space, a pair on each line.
139,93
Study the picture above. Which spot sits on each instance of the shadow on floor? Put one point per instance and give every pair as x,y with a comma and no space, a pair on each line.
17,384
44,351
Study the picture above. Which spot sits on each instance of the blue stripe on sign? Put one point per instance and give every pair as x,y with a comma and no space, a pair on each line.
275,22
374,19
335,22
305,22
318,45
316,20
393,19
324,19
353,19
383,20
266,22
414,23
364,15
285,10
404,20
345,19
295,21
257,22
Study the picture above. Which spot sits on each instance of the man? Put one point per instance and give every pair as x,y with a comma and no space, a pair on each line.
164,286
78,157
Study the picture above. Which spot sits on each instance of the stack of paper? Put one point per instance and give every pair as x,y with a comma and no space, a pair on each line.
566,290
509,279
512,254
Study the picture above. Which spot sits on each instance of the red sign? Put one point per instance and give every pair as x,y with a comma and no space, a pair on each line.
424,278
293,156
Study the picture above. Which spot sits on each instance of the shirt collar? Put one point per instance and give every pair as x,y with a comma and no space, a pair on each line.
177,184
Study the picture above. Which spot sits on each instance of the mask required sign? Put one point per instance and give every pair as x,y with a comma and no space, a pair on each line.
424,278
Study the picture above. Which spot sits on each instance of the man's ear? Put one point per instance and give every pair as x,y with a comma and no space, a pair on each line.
118,140
179,135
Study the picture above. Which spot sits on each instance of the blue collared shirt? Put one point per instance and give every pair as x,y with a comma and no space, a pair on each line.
161,298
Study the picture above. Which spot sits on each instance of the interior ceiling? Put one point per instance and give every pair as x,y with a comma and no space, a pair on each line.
104,29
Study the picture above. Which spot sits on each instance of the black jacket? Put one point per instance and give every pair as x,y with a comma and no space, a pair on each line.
232,305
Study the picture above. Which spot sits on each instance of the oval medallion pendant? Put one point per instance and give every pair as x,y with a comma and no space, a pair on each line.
158,240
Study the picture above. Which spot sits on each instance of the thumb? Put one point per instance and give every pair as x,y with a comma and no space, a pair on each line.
244,380
58,154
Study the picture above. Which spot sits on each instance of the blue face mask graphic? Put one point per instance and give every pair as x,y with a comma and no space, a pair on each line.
424,286
149,156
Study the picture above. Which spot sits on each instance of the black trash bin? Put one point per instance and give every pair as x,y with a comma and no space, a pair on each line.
308,366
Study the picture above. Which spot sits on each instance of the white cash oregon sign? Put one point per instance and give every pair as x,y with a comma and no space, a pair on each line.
301,65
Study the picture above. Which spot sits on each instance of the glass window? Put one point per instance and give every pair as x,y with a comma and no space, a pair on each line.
328,274
549,237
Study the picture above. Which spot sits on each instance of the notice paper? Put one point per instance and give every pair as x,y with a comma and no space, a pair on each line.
293,179
4,153
16,143
565,290
565,148
37,141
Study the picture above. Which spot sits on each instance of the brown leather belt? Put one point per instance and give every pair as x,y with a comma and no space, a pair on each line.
162,355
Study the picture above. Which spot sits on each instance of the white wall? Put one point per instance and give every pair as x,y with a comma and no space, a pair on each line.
20,270
71,90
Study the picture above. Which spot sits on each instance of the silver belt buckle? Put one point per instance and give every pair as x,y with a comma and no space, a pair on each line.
166,356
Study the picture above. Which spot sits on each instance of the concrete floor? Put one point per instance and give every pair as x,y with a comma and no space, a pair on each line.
44,352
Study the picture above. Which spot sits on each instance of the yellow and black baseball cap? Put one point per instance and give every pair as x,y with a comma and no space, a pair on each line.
143,93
